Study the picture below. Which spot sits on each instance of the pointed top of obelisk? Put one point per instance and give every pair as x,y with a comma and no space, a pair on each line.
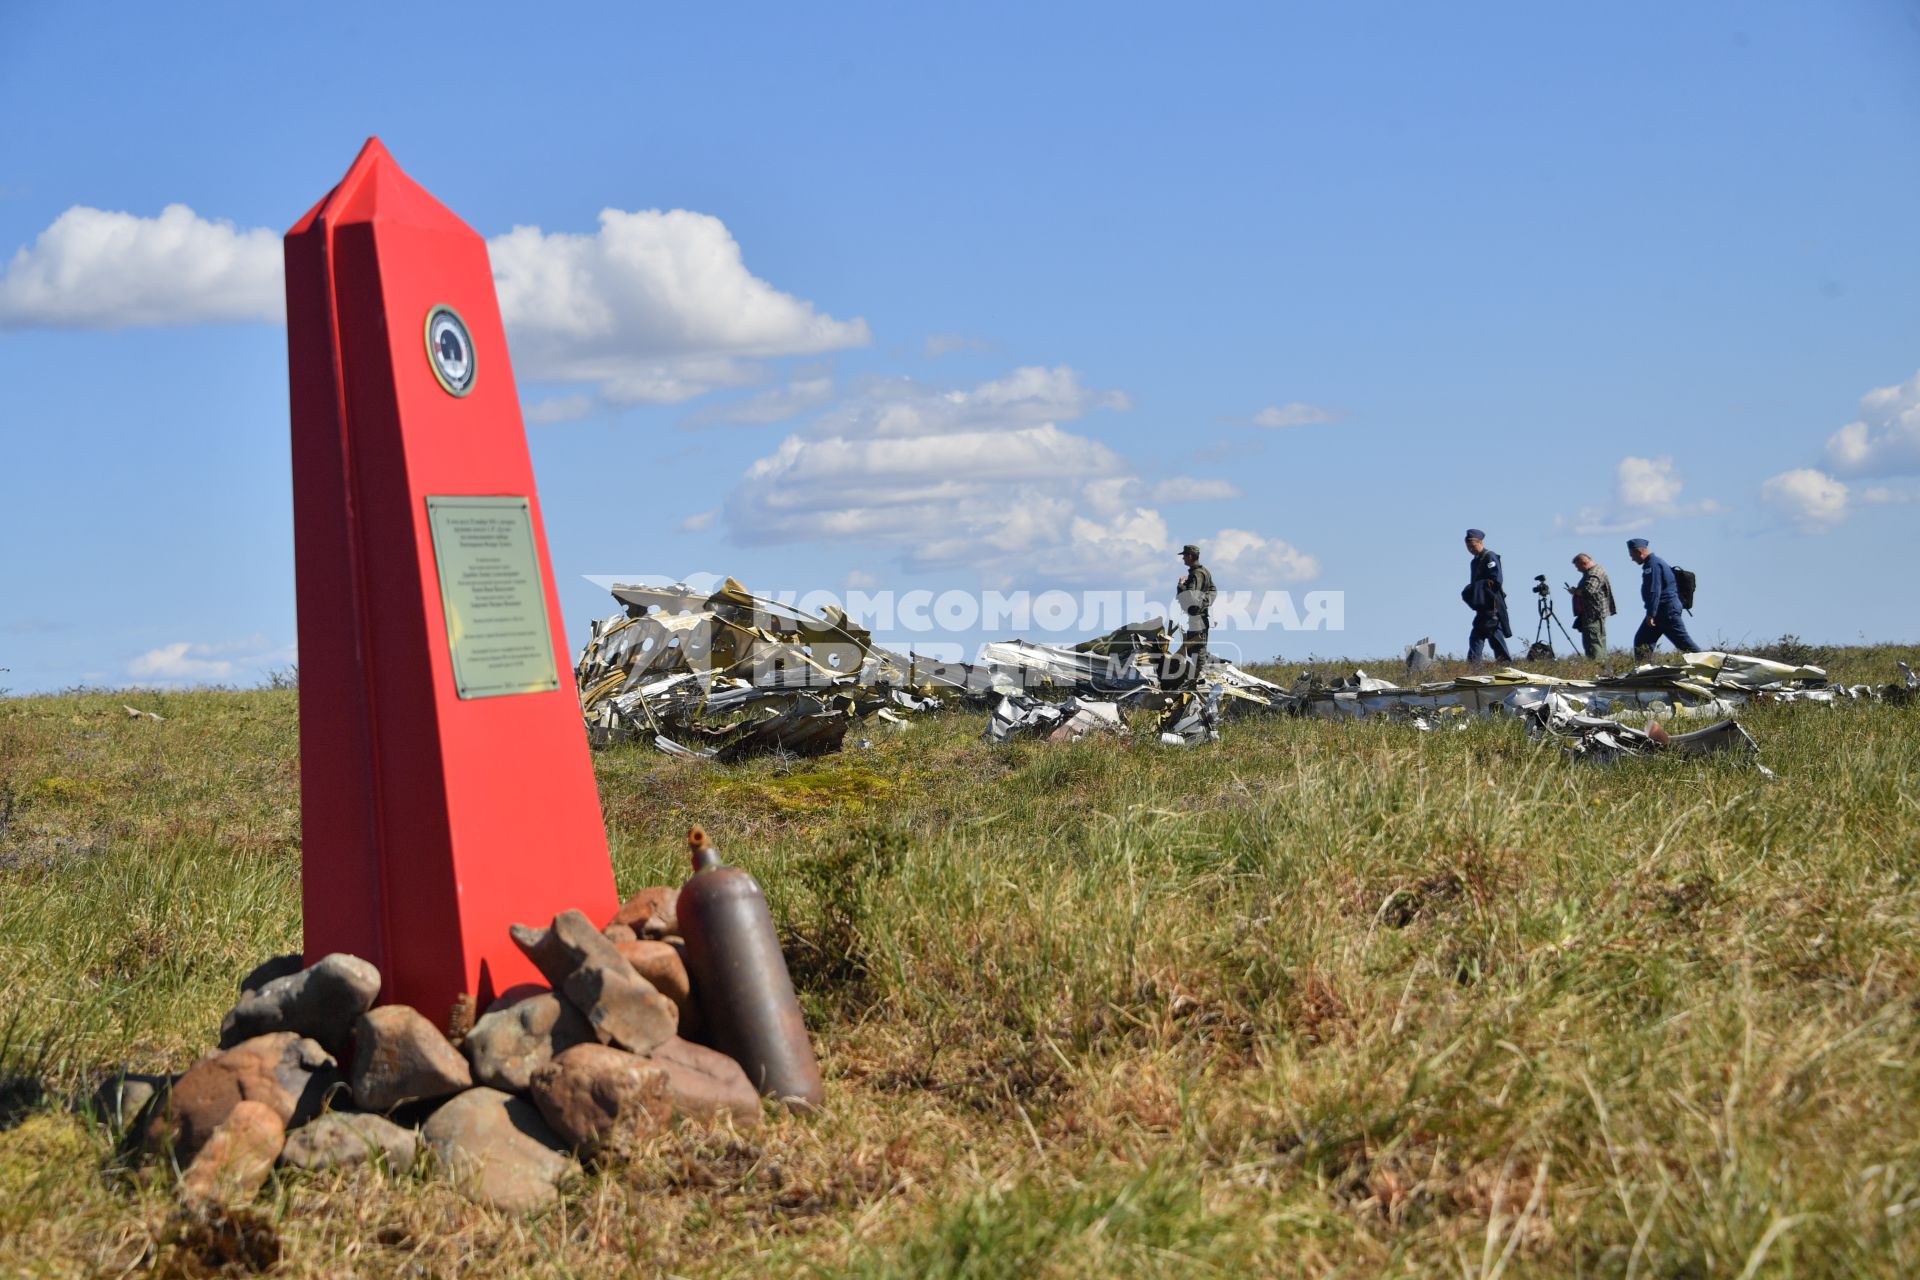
376,185
373,157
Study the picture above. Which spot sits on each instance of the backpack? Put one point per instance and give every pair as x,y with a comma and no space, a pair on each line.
1683,582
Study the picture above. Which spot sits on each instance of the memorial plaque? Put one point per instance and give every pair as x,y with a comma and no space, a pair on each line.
497,625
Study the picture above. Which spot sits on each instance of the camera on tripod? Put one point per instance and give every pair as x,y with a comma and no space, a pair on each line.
1542,646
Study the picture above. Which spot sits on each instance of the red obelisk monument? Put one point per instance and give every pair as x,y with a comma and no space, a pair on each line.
445,784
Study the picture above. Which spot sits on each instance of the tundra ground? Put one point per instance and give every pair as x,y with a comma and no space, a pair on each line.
1320,998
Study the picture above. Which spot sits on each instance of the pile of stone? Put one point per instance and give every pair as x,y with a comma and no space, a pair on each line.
587,1066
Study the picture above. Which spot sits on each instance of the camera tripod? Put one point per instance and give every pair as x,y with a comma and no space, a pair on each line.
1542,646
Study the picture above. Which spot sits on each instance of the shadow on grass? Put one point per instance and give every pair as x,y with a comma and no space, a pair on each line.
25,1066
829,953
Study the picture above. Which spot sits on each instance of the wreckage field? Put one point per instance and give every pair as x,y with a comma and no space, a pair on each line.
1419,992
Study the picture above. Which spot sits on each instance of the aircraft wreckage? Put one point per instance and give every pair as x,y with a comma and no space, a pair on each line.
725,674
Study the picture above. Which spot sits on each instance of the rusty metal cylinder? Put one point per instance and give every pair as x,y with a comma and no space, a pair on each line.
741,980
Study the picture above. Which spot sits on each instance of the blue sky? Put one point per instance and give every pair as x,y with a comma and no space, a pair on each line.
1006,296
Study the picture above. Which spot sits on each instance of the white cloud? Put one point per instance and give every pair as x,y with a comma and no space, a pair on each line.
802,395
1812,501
903,408
1886,495
859,580
944,472
187,662
672,381
1650,484
700,520
1885,439
1296,413
1644,490
175,662
1137,544
985,478
656,307
1251,558
1192,489
560,409
1131,544
95,269
1599,520
950,488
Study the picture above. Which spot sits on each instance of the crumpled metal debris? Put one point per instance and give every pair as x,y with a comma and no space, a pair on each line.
1599,739
1428,722
1018,715
725,674
1192,716
722,674
1138,666
1694,684
1136,661
1134,657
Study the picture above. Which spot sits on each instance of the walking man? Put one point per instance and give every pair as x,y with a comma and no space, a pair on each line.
1660,596
1486,594
1592,604
1196,595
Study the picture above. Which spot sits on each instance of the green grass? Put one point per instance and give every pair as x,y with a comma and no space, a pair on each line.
1321,998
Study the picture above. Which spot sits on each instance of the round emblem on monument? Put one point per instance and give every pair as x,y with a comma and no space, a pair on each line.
450,350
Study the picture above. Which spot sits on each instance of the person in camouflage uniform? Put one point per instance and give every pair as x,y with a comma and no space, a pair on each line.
1592,604
1195,594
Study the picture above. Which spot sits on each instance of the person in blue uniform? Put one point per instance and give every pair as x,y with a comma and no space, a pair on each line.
1660,599
1486,594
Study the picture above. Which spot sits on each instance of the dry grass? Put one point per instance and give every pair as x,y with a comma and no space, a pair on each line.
1322,998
